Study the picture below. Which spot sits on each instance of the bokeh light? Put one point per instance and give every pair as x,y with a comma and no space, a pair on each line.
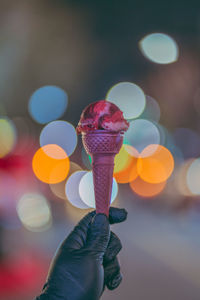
188,141
34,212
60,133
129,97
121,159
51,164
152,110
193,175
159,48
58,189
141,133
86,159
165,137
8,136
125,169
155,168
48,103
146,189
180,178
72,190
86,190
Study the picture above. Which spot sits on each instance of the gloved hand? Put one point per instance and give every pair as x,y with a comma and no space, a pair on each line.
86,261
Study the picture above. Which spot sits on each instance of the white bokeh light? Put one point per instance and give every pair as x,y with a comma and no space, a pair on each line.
34,212
193,177
72,190
159,48
129,97
86,190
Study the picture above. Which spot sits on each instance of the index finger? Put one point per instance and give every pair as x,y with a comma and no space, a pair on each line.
117,215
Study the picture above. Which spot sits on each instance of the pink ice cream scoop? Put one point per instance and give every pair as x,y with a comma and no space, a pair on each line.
102,115
102,126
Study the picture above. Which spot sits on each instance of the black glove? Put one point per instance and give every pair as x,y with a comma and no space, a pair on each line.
87,260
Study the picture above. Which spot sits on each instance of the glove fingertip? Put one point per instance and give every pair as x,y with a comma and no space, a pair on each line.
99,221
115,282
117,215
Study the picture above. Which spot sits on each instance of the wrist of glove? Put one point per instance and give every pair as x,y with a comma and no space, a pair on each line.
86,262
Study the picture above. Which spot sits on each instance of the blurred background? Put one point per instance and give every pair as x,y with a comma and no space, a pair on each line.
56,57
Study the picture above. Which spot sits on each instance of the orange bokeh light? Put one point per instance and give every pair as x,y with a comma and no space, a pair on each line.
126,161
51,164
157,167
146,189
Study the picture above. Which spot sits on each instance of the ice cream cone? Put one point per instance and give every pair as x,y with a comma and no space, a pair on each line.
102,145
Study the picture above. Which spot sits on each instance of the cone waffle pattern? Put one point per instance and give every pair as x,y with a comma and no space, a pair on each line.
102,146
103,178
102,143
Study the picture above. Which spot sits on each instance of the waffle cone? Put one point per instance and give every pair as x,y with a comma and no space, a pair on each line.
102,145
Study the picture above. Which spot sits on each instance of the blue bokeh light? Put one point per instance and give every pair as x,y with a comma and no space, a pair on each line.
141,133
152,110
47,104
61,133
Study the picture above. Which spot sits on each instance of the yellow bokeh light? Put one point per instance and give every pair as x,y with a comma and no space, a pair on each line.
7,136
155,168
146,189
125,169
121,159
51,164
